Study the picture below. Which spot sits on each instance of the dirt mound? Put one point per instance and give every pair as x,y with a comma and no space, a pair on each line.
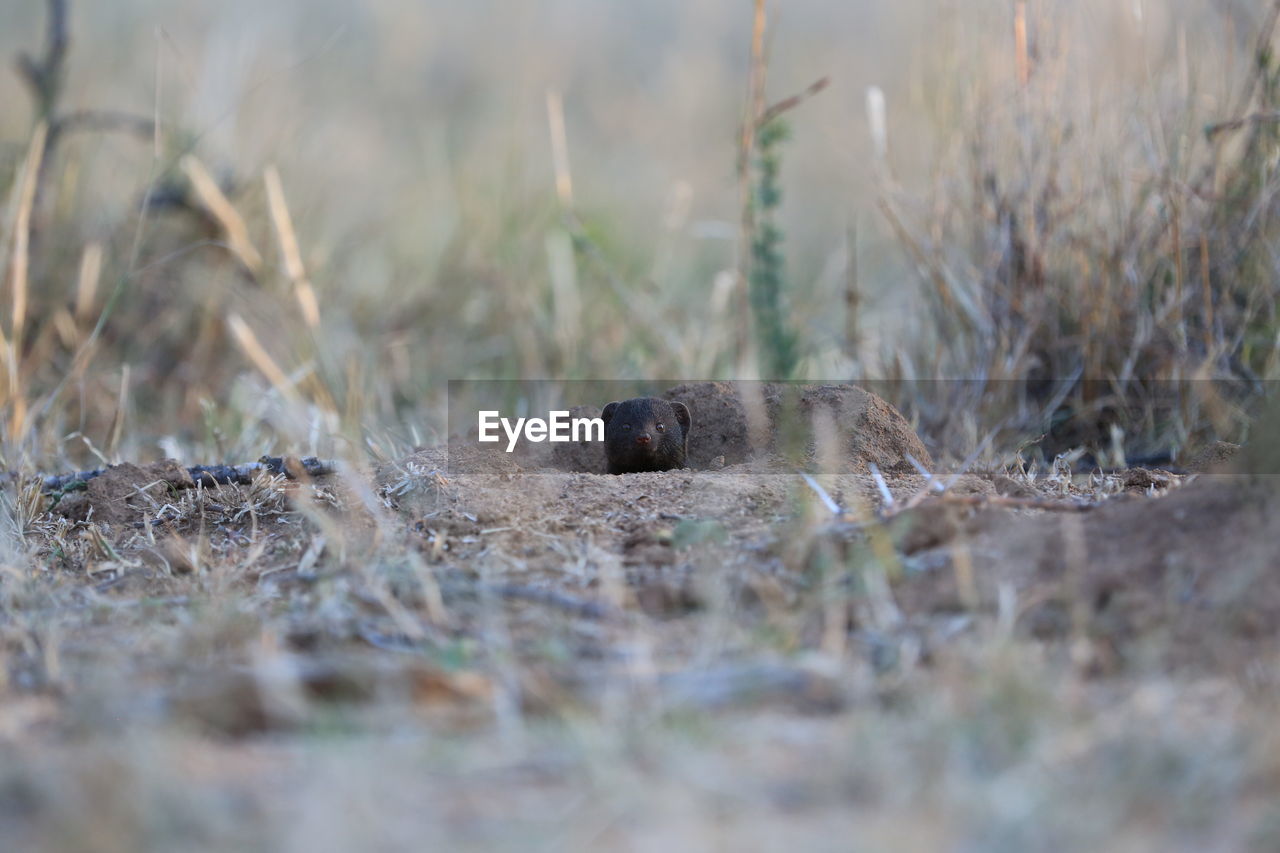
1213,457
720,422
1138,580
582,456
828,428
869,428
468,456
123,493
740,421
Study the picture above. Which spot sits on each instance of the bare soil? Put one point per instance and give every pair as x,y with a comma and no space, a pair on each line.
1146,561
441,593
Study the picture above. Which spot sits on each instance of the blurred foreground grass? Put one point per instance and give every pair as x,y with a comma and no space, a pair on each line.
348,204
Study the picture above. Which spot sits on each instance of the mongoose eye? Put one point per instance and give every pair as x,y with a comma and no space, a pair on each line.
662,428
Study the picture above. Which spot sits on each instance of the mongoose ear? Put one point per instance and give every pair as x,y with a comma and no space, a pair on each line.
682,416
607,414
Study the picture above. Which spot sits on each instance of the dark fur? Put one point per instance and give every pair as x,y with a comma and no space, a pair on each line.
645,434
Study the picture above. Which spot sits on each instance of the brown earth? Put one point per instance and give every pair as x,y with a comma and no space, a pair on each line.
719,633
125,493
1108,578
1185,579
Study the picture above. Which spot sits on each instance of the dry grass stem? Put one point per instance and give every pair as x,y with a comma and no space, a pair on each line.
294,268
559,148
220,207
261,359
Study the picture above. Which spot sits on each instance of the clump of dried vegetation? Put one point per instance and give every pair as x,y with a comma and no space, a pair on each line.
1007,656
1095,255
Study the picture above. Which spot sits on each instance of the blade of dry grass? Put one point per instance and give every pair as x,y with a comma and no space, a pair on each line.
744,344
19,280
220,207
559,148
87,281
261,359
1022,59
288,238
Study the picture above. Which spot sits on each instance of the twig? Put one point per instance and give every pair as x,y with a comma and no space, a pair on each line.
582,608
45,75
1017,503
792,102
102,121
1212,130
292,467
216,475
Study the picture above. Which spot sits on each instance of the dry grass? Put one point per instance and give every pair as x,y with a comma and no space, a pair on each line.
1095,250
232,231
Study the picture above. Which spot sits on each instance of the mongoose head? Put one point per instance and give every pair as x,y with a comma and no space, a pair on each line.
645,434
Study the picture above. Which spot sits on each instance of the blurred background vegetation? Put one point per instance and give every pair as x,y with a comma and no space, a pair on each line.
1022,195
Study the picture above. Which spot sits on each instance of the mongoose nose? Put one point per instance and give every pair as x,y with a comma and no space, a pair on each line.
643,438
